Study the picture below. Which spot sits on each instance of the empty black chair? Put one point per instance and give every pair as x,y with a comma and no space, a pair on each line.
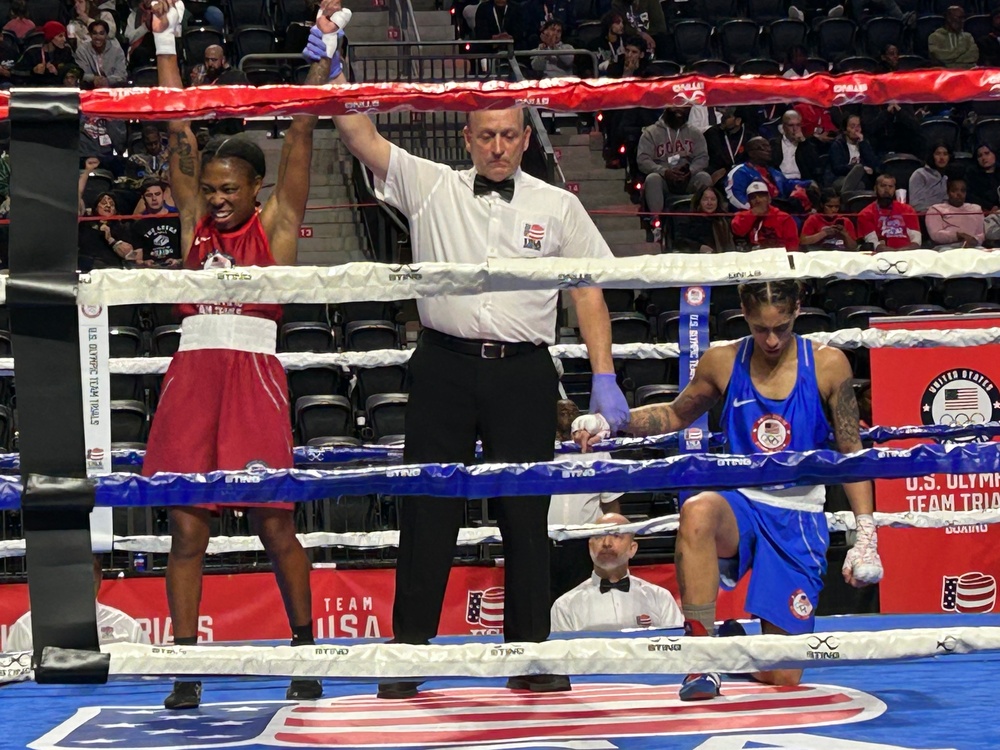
6,428
710,67
144,77
619,300
978,25
660,300
248,13
880,31
334,441
370,335
307,337
586,33
738,40
812,320
730,325
901,166
323,416
987,130
668,326
858,201
124,341
386,414
691,40
629,328
759,66
635,373
912,62
129,421
305,313
385,379
856,64
123,315
295,11
663,68
858,316
963,290
897,293
921,309
784,34
817,65
254,40
972,308
724,298
166,340
350,311
923,28
264,75
941,130
318,380
767,11
716,11
835,38
655,394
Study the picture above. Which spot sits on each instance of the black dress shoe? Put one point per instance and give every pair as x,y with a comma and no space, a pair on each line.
184,695
397,690
304,690
540,683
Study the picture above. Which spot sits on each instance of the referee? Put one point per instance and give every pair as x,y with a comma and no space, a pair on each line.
481,368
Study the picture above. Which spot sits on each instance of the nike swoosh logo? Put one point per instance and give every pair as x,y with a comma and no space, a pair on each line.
737,404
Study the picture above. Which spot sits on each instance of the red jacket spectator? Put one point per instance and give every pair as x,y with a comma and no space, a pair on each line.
896,227
763,225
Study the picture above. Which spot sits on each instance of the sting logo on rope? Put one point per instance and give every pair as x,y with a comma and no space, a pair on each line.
631,713
849,93
404,273
687,94
573,280
823,649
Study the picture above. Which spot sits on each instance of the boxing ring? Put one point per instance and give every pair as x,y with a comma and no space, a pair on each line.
917,682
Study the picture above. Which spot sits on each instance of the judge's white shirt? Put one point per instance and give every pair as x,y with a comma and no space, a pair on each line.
585,608
574,510
113,626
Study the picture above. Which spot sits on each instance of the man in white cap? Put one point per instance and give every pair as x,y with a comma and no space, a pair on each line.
763,225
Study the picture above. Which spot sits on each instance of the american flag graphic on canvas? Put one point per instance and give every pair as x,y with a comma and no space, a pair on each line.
957,399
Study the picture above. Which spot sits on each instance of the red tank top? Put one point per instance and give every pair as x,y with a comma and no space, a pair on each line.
212,249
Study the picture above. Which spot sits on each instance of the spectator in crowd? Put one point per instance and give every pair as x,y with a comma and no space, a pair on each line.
828,230
612,599
154,198
726,143
757,169
673,157
158,238
553,66
43,63
888,224
984,179
500,20
72,76
215,70
153,159
102,61
881,8
888,60
113,625
763,225
140,40
609,46
105,243
19,23
955,223
85,12
623,127
10,52
796,62
632,63
989,45
706,229
569,563
891,128
852,161
645,18
929,184
537,13
951,46
104,139
794,155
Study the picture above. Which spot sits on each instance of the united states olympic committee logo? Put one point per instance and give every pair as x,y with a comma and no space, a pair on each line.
959,397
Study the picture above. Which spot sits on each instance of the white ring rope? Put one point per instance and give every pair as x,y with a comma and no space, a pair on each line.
367,282
848,338
580,656
839,521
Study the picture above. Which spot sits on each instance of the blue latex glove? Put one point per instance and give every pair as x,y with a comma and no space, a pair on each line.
607,399
316,50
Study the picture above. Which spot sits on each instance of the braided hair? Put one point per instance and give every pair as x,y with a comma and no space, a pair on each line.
784,294
235,147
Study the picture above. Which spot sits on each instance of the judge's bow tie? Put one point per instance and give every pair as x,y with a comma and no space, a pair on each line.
622,585
483,186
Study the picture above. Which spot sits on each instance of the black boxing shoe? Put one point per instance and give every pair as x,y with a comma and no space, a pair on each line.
304,690
397,690
184,695
540,683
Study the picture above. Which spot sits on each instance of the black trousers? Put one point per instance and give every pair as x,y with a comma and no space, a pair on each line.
509,404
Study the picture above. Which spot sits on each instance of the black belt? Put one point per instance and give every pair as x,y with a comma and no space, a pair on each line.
479,347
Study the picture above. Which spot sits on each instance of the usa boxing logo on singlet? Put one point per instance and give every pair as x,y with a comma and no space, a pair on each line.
216,260
771,433
800,605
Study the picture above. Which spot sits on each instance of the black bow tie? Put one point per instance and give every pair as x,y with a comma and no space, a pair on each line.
505,188
623,585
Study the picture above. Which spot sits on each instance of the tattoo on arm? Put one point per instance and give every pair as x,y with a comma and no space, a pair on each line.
649,420
318,73
846,421
185,157
658,419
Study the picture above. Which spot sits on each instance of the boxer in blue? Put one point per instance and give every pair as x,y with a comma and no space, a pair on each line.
779,392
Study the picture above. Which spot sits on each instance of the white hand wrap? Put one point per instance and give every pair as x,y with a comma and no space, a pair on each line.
862,559
165,40
332,40
594,424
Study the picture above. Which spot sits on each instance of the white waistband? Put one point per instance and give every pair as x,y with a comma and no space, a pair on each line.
245,333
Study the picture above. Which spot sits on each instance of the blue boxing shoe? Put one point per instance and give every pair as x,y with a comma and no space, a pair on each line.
700,687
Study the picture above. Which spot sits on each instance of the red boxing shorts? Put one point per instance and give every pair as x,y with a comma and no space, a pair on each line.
224,401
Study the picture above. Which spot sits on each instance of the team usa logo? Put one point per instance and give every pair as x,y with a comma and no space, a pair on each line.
800,605
971,593
485,609
771,433
533,236
960,397
694,296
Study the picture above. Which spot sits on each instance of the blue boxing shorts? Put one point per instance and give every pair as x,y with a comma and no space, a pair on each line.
786,549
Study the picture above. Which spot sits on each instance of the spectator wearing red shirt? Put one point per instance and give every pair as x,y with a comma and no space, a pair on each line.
887,223
829,230
763,225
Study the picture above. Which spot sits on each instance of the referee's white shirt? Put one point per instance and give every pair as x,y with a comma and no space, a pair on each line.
572,510
448,223
585,608
113,626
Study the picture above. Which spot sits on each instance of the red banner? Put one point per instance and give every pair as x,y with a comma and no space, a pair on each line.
565,95
949,569
346,603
